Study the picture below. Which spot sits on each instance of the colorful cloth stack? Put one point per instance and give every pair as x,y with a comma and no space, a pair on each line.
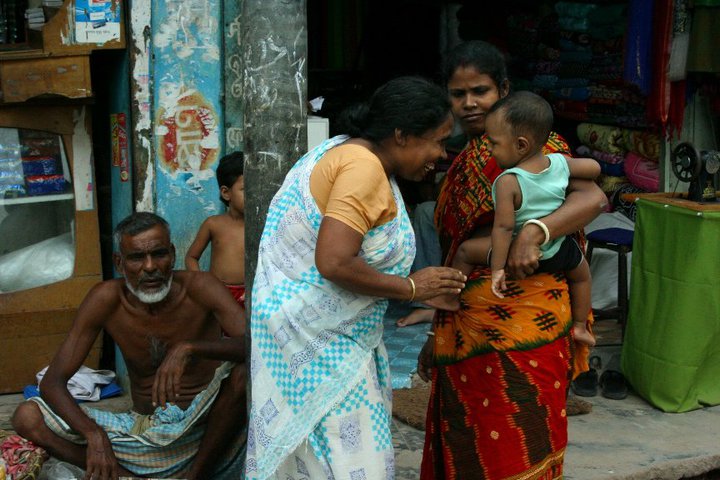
23,460
628,160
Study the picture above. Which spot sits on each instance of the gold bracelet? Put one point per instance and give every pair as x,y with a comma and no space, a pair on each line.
412,286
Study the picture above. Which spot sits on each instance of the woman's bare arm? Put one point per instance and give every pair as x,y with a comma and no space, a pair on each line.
336,258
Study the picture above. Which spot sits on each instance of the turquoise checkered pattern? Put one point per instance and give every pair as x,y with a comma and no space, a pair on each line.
311,339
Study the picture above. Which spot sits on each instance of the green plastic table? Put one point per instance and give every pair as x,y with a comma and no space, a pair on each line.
671,349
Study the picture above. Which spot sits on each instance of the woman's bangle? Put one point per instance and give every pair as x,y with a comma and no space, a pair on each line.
543,227
430,333
412,287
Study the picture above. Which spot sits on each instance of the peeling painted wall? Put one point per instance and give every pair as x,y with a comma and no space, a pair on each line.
141,86
83,164
187,113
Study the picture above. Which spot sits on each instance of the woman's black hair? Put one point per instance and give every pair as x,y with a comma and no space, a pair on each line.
482,56
412,105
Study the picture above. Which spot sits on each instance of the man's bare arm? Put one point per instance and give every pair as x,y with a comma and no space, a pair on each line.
92,313
206,289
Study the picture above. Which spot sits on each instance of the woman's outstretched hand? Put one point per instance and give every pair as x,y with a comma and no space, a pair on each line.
435,281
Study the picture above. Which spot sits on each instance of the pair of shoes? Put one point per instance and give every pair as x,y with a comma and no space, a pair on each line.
586,384
613,385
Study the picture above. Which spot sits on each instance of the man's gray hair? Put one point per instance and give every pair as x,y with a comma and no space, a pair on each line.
135,223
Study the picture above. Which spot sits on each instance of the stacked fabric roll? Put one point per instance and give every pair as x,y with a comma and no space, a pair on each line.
573,56
628,160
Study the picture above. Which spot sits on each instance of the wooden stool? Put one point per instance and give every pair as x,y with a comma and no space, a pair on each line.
618,240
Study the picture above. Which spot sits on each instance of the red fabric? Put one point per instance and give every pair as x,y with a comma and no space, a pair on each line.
238,293
499,408
659,99
17,453
676,115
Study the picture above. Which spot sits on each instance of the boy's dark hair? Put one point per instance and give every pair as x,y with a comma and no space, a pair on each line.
136,223
413,105
528,114
229,169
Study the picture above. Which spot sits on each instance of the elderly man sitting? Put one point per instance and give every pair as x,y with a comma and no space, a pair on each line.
187,380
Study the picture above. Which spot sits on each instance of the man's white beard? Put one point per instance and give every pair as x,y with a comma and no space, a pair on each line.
153,297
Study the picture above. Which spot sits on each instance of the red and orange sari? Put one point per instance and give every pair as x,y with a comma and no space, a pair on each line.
497,407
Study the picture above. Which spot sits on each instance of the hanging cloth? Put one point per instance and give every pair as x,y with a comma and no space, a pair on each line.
659,99
639,40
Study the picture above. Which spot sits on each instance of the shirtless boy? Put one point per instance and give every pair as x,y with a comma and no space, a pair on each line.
226,232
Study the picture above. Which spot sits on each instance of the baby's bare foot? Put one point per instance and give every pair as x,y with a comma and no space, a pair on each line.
419,315
581,335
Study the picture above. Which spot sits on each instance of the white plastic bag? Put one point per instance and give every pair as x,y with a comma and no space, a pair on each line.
65,471
39,264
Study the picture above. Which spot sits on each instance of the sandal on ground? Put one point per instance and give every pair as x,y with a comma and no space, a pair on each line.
613,385
586,384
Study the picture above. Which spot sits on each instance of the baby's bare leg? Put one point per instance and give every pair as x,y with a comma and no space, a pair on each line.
580,285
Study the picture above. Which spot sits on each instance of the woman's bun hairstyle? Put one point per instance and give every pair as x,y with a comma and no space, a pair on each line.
412,105
354,119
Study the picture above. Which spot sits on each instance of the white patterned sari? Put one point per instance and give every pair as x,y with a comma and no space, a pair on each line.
321,396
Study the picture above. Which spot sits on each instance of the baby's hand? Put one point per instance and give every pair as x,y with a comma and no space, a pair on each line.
498,282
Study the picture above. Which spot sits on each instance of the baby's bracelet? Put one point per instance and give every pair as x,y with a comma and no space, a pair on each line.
543,227
412,286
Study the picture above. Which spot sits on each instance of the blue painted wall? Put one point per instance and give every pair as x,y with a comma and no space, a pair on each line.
121,184
187,114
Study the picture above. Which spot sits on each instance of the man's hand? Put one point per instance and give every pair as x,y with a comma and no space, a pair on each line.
100,461
166,387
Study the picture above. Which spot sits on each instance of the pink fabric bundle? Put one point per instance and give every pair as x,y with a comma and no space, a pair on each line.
642,173
20,455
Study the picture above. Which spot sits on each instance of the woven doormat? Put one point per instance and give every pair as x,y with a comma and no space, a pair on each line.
410,404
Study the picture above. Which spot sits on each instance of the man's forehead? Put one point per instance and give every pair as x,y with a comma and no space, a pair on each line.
152,238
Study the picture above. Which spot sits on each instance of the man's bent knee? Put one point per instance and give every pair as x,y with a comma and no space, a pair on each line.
27,420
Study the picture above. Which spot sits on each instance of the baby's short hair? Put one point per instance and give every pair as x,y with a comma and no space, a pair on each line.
528,115
229,169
